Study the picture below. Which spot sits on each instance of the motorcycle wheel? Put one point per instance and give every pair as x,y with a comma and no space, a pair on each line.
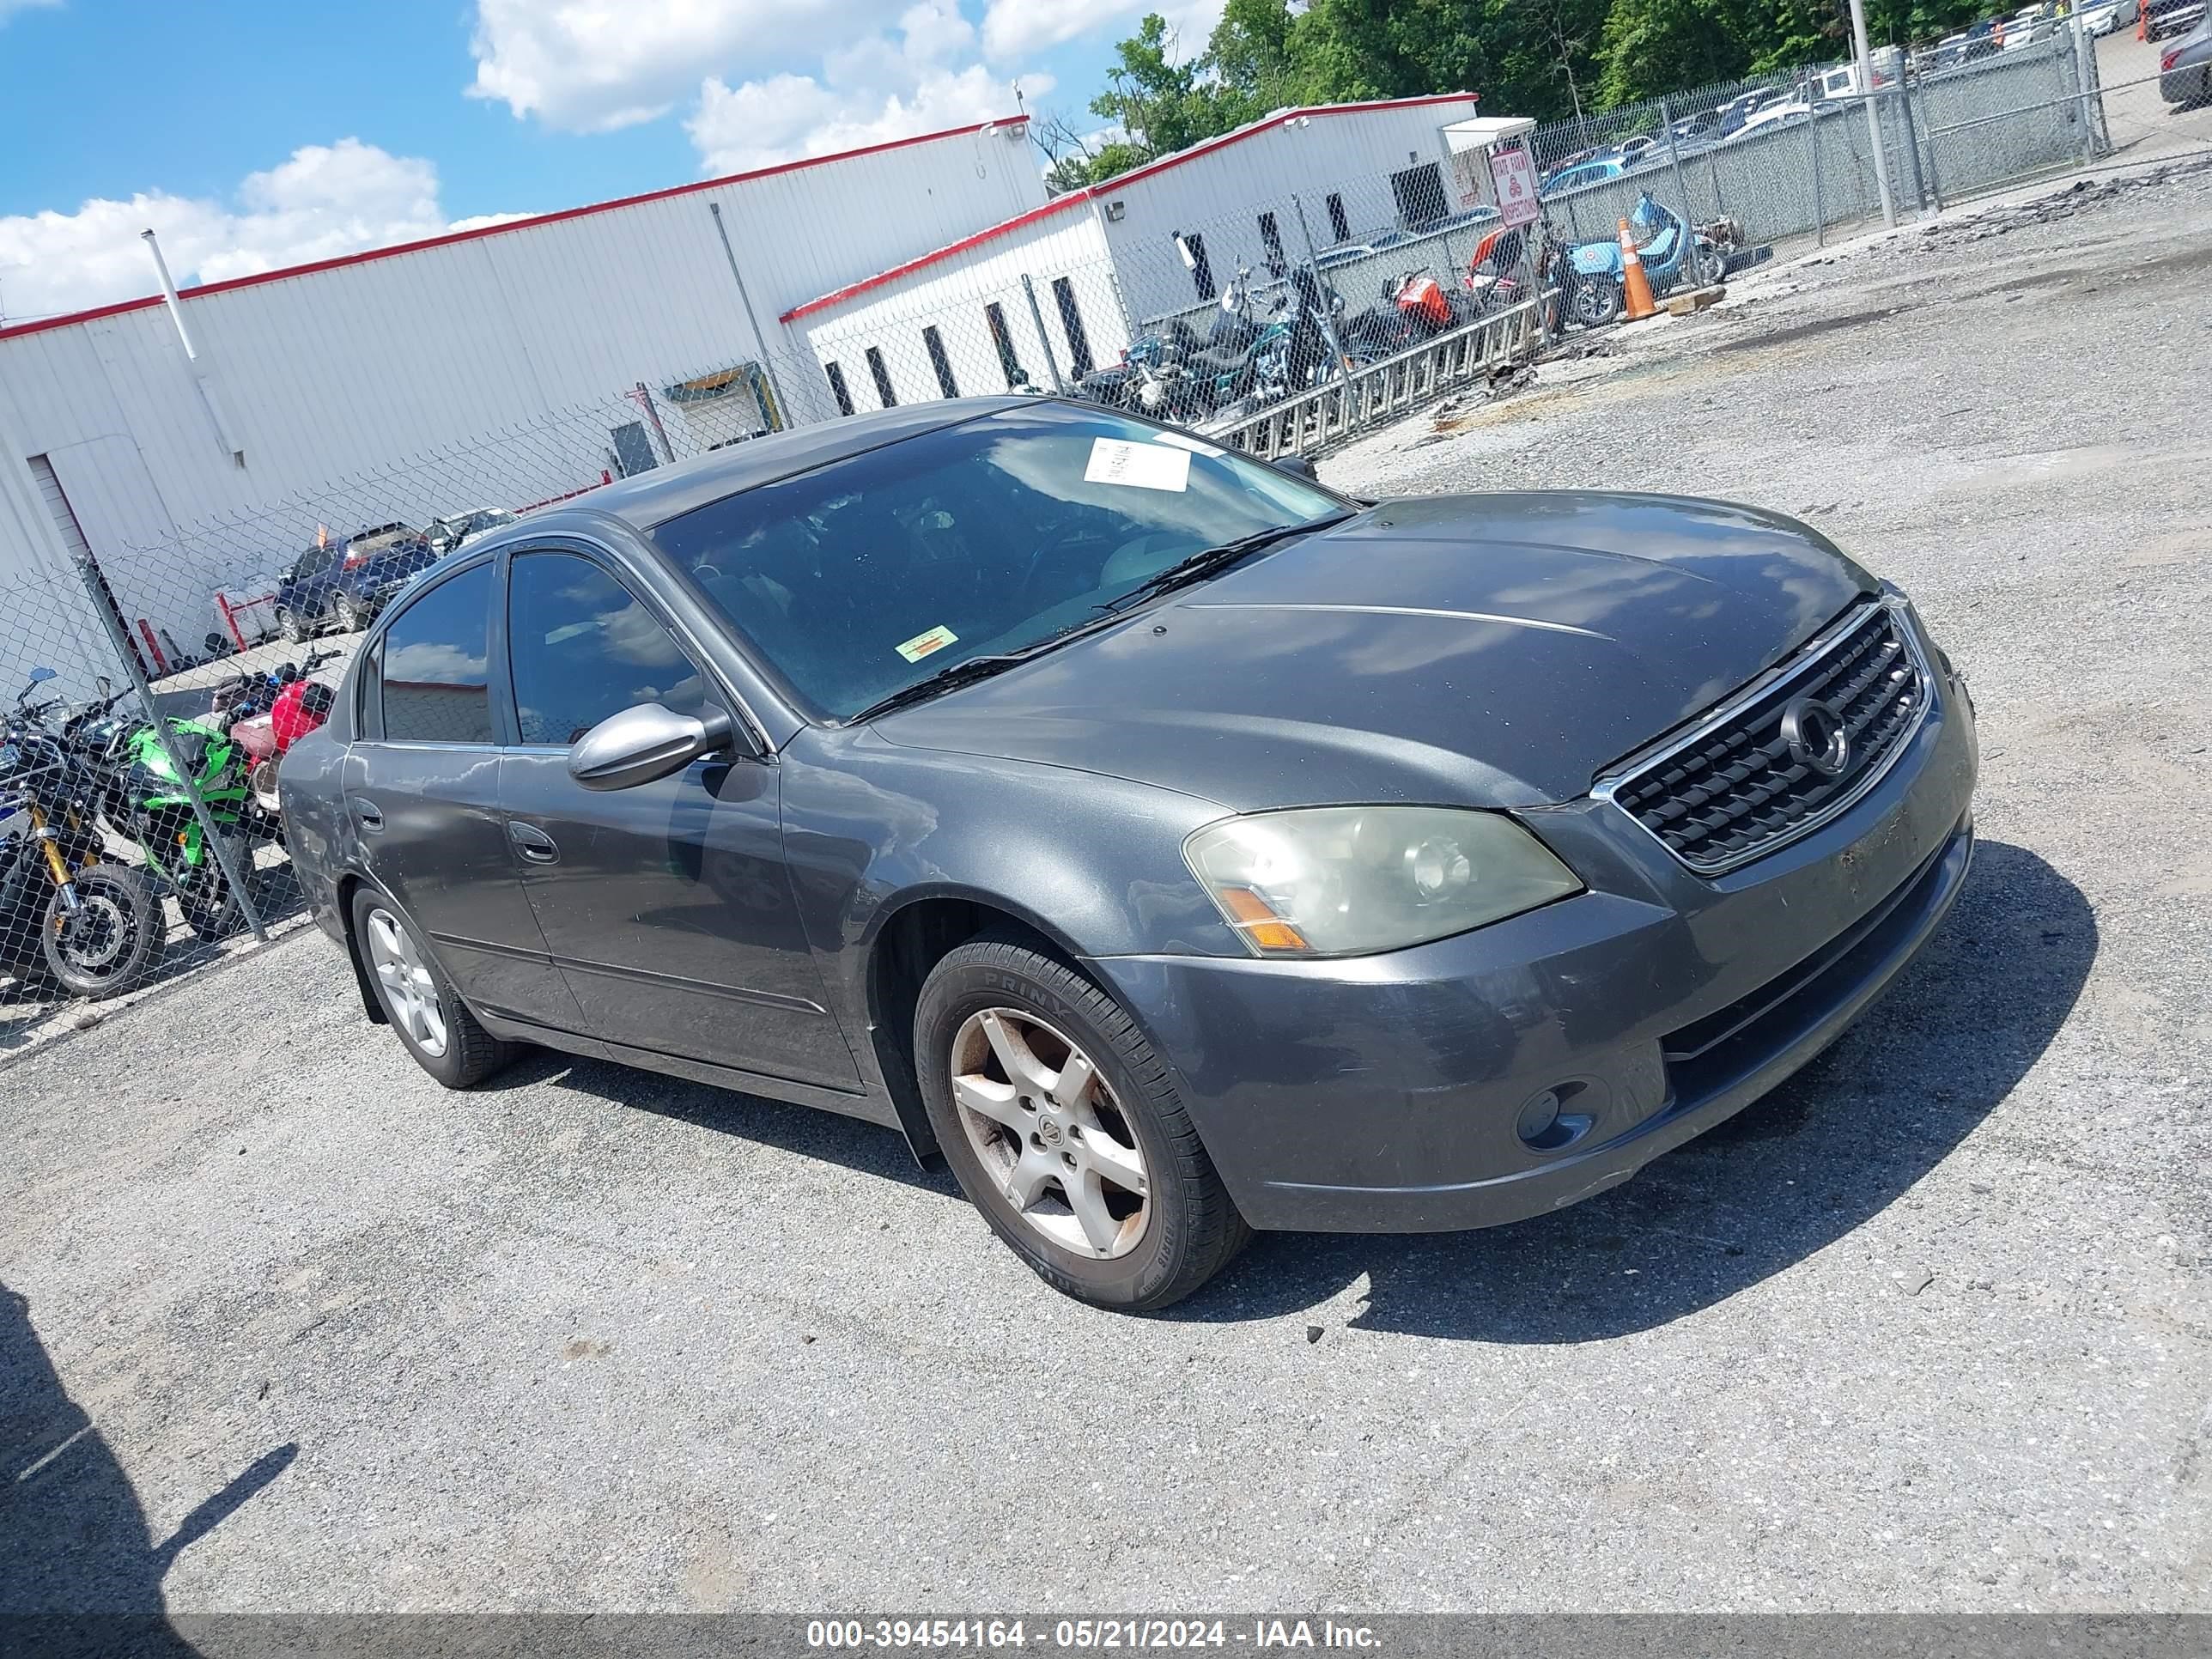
105,948
211,908
1595,301
1711,266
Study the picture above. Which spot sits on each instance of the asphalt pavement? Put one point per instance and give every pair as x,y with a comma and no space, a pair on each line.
1929,1329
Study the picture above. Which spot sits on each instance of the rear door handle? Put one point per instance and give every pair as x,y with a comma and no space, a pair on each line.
533,843
370,814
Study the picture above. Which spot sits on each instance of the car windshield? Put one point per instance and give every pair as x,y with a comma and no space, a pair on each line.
860,578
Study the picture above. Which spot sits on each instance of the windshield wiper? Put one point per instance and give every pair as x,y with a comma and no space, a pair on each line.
945,679
1208,560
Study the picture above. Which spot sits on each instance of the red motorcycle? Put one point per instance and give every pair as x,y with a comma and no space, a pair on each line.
266,714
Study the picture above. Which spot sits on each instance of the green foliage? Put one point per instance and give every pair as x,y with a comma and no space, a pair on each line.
1546,58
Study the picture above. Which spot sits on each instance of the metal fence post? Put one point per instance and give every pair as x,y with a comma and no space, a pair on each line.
1036,316
128,658
1912,144
1674,157
2081,84
1328,316
1819,207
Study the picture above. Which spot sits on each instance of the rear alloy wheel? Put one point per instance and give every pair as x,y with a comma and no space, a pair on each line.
1065,1129
437,1026
289,625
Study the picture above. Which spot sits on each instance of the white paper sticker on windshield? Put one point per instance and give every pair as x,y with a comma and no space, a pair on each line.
1142,466
922,644
1184,440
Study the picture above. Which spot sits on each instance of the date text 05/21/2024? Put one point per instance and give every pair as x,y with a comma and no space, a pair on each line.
1106,1635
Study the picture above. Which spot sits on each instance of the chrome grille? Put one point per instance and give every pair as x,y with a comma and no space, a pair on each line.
1737,787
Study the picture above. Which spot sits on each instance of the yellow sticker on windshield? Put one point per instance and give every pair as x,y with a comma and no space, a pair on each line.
922,644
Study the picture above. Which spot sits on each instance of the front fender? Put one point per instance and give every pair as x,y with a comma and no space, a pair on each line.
1093,862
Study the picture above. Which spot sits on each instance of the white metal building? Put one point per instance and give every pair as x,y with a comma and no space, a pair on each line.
1100,261
345,369
517,363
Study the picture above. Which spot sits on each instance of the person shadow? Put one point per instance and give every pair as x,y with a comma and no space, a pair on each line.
1792,1173
80,1571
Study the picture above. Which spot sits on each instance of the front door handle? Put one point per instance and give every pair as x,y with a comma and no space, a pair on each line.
370,815
533,843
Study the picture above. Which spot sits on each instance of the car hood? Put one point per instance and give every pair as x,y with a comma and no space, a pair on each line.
1491,650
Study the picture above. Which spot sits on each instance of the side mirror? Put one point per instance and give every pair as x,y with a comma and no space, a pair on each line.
646,743
106,686
41,675
1297,466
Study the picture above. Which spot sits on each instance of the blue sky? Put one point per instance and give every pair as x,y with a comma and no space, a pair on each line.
255,134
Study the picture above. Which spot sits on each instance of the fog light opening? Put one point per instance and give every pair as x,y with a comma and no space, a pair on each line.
1546,1124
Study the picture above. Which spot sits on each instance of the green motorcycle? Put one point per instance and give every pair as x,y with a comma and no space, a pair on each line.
143,796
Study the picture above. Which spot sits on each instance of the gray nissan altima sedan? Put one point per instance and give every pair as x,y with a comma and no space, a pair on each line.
1172,846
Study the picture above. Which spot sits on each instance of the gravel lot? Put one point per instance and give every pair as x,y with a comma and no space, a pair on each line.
1928,1329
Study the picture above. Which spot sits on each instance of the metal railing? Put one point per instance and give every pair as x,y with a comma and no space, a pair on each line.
1312,421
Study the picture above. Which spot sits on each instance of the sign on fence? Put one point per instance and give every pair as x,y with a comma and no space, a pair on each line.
1516,178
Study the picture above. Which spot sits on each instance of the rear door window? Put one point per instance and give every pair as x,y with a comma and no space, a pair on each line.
435,658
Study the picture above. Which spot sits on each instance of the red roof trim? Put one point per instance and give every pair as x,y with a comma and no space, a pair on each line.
838,296
367,255
1205,147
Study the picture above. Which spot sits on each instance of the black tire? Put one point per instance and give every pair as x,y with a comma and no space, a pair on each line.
469,1053
210,908
1193,1229
351,618
290,626
106,948
1594,301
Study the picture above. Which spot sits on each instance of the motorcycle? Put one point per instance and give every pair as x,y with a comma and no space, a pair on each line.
95,923
1413,307
1151,378
265,713
1596,274
141,795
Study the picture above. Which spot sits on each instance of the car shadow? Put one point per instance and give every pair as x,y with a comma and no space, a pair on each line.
79,1570
865,1148
1826,1152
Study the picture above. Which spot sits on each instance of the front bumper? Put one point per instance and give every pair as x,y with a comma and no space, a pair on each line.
1385,1094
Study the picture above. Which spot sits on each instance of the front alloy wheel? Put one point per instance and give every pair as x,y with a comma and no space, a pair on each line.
1065,1128
1044,1125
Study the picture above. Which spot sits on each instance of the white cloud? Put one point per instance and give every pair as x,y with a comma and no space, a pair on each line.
1017,28
595,65
323,201
10,7
877,89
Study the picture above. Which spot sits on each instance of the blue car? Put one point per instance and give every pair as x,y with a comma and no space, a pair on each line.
344,585
1593,171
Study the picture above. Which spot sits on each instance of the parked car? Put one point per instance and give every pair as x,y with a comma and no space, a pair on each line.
451,534
346,585
1768,117
2184,68
1581,173
2165,18
1170,845
1360,248
2101,17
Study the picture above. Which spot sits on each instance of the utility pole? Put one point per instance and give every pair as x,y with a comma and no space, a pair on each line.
1873,114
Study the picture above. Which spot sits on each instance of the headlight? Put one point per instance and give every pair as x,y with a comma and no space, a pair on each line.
1335,881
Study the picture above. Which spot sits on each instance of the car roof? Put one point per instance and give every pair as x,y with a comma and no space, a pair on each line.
646,499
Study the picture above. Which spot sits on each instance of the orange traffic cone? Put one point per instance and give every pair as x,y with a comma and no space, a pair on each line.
1635,286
